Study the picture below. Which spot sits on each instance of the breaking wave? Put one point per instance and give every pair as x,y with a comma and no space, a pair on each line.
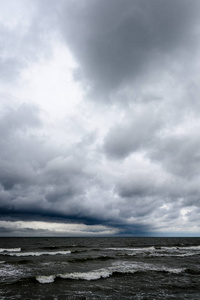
2,250
46,279
119,267
159,251
173,254
38,253
133,249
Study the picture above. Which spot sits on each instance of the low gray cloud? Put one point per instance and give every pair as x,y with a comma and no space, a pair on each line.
40,183
136,132
179,153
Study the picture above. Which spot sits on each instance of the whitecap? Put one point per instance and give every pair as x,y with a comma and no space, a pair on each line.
92,275
10,250
133,249
172,254
40,253
126,267
118,267
168,248
46,279
190,248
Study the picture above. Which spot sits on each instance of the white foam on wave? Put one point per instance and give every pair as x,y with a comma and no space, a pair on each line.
119,267
92,275
160,251
40,253
10,250
172,254
46,279
152,248
133,249
168,248
126,267
8,271
190,248
177,249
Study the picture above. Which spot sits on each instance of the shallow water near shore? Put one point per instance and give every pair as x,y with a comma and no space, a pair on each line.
100,268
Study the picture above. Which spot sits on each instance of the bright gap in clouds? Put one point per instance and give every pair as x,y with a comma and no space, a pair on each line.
49,83
38,228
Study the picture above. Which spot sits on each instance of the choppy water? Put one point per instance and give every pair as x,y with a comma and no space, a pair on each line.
100,268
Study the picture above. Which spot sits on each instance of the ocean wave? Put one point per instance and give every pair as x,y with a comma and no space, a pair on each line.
167,248
190,248
9,271
156,248
174,248
119,267
172,251
133,249
46,279
10,250
79,251
39,253
172,254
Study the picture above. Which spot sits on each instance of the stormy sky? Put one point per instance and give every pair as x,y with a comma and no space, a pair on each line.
99,117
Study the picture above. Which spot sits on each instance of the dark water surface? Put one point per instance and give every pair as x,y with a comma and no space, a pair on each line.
100,268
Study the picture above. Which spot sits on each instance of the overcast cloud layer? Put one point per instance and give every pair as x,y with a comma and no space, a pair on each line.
99,117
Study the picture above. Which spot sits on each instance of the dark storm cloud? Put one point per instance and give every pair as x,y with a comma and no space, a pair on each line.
39,182
179,153
36,178
117,42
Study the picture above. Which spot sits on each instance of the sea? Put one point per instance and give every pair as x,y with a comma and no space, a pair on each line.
100,268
